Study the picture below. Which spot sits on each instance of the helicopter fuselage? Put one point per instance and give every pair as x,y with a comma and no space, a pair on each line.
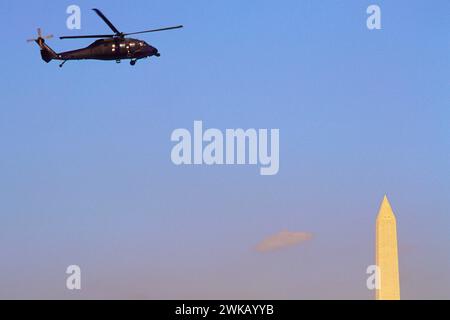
111,49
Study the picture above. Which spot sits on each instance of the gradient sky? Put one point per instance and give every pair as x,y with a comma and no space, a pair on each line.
86,176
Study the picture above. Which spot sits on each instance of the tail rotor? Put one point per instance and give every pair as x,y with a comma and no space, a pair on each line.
47,53
40,37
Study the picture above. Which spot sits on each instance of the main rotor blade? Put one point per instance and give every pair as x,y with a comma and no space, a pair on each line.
154,30
89,36
105,19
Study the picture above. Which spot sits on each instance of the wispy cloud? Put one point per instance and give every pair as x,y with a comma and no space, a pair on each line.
283,239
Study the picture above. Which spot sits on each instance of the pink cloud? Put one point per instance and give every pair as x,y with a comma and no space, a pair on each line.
283,239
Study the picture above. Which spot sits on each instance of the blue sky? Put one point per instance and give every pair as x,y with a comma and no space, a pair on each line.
86,176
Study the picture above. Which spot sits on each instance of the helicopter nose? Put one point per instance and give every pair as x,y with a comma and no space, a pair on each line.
155,52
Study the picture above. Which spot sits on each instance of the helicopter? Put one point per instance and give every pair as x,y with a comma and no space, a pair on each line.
116,46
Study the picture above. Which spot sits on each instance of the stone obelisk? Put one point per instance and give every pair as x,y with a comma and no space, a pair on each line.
387,254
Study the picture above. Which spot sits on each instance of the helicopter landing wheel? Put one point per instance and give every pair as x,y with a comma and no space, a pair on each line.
133,62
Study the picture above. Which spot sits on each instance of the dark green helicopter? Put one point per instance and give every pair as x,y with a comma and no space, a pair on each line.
109,46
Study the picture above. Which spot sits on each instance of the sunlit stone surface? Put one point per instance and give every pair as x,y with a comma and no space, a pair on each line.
387,253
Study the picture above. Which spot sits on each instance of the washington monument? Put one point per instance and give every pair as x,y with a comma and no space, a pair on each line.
387,254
